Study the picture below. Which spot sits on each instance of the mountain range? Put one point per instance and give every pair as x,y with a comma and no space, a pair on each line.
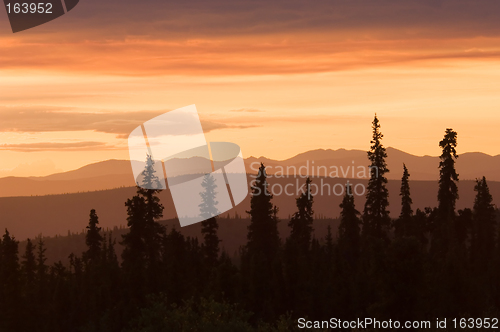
118,173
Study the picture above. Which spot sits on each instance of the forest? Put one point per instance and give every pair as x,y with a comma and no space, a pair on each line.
439,262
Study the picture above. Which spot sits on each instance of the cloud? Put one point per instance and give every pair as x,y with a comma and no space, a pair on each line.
56,146
198,19
51,119
210,126
247,110
227,37
48,119
266,55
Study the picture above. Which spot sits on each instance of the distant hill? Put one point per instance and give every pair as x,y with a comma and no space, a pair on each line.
469,165
103,168
118,173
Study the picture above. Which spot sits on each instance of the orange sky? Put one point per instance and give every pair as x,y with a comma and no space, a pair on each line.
276,78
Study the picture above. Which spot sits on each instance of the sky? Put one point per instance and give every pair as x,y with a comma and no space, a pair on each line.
276,77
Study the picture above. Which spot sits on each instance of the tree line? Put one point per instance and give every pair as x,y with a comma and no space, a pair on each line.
425,264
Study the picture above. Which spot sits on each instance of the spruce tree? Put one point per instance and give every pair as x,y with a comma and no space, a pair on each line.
29,264
301,222
110,253
376,220
448,190
263,238
447,247
149,178
348,242
41,267
209,226
260,264
403,223
484,224
93,239
298,260
376,223
135,252
141,255
347,260
443,228
10,291
28,271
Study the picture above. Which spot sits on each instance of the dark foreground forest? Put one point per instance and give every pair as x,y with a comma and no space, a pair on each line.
424,265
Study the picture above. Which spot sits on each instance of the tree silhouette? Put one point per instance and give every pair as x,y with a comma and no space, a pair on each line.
348,254
29,264
447,244
149,178
447,194
10,295
348,241
209,226
41,267
93,239
376,220
28,270
482,245
301,222
263,238
297,252
260,265
141,255
402,226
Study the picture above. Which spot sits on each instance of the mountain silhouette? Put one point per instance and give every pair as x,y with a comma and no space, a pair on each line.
111,174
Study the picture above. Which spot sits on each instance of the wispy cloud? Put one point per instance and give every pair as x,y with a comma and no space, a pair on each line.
247,110
253,38
51,119
56,146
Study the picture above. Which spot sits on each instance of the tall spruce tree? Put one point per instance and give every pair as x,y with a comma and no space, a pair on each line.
154,211
482,244
142,244
209,226
376,220
447,246
263,238
260,264
403,225
443,228
93,239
